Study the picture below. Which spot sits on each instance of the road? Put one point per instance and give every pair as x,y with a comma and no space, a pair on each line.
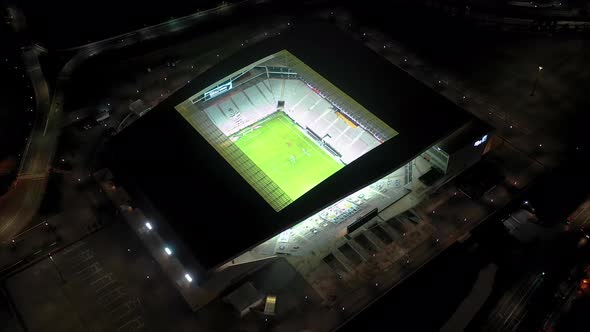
171,26
512,307
20,204
581,216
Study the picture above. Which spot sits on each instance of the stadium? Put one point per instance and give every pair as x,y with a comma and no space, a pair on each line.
307,129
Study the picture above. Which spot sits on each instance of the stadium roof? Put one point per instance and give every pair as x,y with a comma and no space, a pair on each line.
211,207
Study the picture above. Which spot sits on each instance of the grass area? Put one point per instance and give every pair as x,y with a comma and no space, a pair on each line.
290,158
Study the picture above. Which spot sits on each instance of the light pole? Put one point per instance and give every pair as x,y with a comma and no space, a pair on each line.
536,81
61,277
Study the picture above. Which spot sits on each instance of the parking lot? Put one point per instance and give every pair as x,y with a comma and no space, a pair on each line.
105,282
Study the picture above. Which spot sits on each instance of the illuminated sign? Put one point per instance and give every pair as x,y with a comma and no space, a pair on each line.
481,140
218,90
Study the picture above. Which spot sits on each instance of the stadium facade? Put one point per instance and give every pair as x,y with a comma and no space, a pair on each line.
300,126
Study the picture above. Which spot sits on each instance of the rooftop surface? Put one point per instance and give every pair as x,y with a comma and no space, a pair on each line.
211,207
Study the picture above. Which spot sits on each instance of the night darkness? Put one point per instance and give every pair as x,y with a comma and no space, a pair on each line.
502,245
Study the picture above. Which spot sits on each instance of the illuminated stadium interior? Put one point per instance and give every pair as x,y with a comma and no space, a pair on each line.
282,126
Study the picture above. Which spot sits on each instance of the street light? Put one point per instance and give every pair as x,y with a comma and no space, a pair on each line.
168,251
536,80
188,277
61,277
148,225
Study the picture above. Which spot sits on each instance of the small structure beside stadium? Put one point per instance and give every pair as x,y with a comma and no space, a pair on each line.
139,108
244,298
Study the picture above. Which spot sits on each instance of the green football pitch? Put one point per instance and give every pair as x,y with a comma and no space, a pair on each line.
290,158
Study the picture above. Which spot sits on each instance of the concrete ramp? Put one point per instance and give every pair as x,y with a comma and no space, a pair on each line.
473,302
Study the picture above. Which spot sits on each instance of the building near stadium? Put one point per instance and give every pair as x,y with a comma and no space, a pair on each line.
306,125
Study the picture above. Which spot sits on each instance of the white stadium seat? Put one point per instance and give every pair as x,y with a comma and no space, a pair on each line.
244,107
